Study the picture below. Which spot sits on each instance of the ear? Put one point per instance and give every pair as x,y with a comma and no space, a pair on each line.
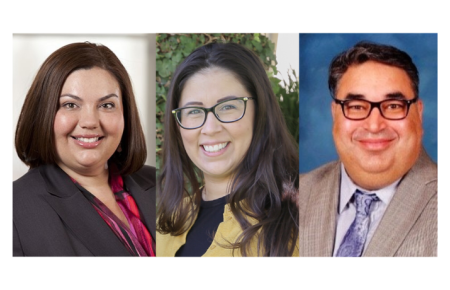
334,106
420,109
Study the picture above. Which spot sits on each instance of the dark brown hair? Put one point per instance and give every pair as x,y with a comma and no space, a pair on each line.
267,178
35,141
364,51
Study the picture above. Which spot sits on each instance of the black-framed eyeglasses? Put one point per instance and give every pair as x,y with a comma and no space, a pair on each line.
228,111
391,109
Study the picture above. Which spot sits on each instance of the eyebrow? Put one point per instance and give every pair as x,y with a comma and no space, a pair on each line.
396,96
226,98
194,103
351,96
390,96
80,99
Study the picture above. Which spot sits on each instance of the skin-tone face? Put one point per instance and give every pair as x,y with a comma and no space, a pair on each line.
376,151
89,122
205,89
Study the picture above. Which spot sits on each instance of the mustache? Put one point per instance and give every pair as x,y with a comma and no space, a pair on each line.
385,134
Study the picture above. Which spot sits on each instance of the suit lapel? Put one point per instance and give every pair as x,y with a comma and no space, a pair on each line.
144,193
321,212
79,215
408,202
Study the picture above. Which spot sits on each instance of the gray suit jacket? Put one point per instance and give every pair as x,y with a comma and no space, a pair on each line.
408,227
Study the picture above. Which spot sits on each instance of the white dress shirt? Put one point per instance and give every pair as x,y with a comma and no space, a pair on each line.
347,211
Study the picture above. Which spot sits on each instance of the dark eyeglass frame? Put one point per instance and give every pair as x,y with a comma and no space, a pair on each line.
212,110
408,103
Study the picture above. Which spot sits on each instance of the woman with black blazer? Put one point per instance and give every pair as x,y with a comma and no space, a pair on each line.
88,192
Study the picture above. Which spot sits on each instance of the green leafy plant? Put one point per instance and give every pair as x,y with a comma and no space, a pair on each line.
172,49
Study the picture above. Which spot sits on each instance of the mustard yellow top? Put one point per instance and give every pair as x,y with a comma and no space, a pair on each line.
228,231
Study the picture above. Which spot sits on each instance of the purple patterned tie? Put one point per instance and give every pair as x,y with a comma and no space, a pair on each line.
353,243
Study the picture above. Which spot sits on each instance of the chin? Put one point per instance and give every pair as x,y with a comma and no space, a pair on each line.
215,172
376,166
87,163
375,169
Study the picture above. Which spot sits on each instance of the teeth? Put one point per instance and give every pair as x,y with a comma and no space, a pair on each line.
215,148
88,140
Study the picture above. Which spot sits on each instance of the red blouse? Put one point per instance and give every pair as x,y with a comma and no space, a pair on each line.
136,238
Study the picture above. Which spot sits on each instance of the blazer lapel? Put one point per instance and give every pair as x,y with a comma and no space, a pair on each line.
79,215
144,193
404,209
321,210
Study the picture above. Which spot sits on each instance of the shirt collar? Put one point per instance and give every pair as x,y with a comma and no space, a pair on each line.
348,188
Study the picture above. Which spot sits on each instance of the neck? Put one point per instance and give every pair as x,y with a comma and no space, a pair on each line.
373,182
215,188
90,178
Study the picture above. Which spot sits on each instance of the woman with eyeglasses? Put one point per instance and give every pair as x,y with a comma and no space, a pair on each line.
228,184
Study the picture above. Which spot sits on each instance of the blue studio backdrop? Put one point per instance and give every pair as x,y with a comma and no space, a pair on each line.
316,146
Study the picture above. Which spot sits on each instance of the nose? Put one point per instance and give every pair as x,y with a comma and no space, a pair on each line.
212,125
89,118
375,122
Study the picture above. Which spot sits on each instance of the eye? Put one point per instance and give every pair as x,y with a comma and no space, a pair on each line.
194,111
108,106
69,106
357,105
394,105
228,107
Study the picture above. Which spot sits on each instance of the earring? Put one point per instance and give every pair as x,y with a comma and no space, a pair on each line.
119,149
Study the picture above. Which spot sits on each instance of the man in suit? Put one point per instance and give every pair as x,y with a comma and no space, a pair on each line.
380,198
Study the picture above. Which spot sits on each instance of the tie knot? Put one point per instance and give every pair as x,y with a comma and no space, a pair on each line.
364,201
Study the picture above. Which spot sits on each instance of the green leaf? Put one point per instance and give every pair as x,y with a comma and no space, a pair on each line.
165,46
158,65
257,45
177,57
164,68
271,45
173,42
249,45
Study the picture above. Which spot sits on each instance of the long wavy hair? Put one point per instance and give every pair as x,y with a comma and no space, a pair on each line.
267,178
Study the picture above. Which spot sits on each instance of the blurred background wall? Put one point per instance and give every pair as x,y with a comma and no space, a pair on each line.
135,51
316,146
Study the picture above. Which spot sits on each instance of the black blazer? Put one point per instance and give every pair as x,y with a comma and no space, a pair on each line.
51,217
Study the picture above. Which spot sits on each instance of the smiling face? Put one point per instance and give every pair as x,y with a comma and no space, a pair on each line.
376,151
89,122
216,148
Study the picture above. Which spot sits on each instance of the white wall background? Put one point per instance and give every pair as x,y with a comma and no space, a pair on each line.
135,51
287,53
